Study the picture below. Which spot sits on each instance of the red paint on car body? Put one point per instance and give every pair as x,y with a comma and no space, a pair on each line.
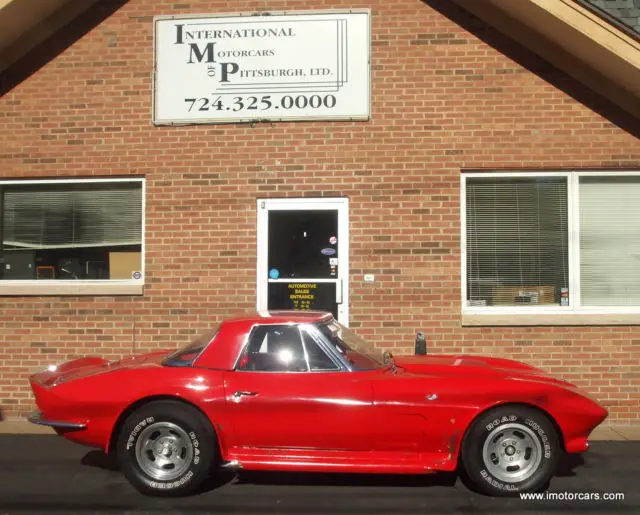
409,416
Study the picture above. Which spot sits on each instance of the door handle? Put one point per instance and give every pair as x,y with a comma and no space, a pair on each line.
239,394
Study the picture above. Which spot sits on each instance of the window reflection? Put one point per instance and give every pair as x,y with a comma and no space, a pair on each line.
284,349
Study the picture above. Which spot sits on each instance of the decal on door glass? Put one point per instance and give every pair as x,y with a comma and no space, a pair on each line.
302,295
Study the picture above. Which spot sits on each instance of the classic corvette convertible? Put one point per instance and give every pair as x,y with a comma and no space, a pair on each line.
297,391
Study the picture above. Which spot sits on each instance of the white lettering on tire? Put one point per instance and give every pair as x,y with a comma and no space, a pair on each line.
173,484
137,429
196,448
498,421
495,483
543,436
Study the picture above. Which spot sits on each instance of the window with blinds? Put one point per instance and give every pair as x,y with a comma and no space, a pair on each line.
516,241
609,240
84,229
520,252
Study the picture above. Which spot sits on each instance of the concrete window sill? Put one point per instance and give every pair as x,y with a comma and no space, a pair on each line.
546,319
43,289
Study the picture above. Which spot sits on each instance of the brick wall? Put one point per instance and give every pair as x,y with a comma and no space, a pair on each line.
448,93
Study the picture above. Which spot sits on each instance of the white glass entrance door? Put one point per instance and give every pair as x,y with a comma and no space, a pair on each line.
303,255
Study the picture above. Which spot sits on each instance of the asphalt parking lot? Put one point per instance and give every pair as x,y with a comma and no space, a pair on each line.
45,474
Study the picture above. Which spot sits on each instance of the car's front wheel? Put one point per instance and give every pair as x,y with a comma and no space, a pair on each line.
510,450
166,448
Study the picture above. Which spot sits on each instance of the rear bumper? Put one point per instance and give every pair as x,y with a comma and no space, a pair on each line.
36,417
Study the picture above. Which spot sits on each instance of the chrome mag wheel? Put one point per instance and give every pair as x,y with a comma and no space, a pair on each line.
164,451
512,453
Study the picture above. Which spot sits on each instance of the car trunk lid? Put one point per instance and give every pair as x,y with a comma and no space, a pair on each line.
89,366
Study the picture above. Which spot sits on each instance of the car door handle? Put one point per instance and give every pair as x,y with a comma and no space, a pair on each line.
239,394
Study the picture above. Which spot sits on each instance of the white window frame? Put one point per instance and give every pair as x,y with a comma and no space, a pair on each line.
574,309
341,204
56,287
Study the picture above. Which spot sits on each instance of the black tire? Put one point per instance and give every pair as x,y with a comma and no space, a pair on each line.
509,469
182,433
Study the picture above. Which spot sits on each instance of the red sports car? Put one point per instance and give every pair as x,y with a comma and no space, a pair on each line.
297,391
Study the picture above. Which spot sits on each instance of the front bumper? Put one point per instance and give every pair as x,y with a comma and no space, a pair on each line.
36,417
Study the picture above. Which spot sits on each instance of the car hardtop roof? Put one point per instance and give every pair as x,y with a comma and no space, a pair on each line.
283,317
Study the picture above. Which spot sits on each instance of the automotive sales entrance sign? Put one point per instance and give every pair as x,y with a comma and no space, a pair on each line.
246,67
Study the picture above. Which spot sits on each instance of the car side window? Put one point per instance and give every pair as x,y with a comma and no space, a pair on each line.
274,348
317,358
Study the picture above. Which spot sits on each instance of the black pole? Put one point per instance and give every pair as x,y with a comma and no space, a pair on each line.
421,344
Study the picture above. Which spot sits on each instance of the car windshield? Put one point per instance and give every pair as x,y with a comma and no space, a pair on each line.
185,356
356,350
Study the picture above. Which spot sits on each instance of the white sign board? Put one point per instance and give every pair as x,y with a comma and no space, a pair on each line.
300,65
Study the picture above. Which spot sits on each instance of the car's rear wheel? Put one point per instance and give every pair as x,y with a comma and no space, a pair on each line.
510,450
166,448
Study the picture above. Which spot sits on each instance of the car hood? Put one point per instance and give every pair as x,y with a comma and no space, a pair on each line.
465,365
91,366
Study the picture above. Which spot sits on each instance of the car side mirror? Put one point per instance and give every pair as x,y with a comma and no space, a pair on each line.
421,345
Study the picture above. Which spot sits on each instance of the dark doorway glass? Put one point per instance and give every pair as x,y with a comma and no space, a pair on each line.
303,244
